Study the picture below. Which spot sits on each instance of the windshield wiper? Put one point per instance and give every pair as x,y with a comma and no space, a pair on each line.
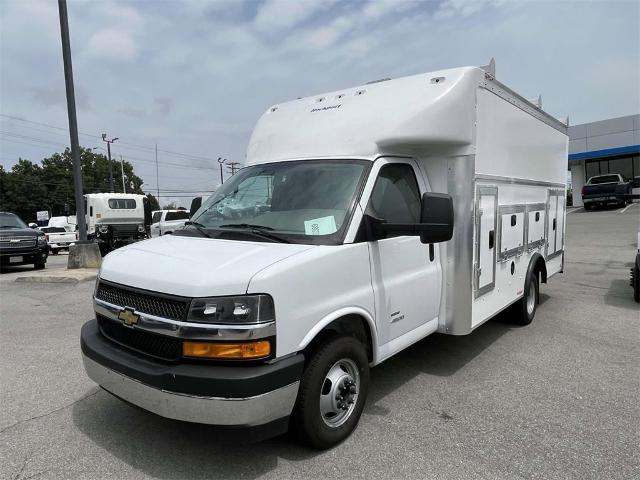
200,227
245,225
256,230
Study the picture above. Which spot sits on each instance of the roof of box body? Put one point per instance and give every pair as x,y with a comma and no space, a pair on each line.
385,117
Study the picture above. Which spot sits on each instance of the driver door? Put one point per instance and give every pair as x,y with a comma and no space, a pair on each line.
406,274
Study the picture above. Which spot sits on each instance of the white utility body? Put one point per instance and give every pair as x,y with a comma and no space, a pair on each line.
367,218
115,218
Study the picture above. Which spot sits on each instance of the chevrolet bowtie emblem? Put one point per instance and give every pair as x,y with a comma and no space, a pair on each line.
128,316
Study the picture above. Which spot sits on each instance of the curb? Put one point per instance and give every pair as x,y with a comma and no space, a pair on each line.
62,276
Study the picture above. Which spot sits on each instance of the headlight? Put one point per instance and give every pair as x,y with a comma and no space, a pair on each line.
42,240
243,309
140,228
103,228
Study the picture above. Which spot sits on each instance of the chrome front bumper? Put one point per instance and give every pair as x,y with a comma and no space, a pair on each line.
241,412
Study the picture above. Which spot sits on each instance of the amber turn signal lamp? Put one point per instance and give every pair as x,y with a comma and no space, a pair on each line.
227,351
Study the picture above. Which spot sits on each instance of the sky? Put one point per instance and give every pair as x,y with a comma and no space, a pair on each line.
194,76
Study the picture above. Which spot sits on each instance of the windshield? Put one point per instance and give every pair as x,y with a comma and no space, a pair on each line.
604,179
9,220
308,201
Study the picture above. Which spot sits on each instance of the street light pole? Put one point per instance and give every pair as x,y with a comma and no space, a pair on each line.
109,142
73,121
221,161
124,190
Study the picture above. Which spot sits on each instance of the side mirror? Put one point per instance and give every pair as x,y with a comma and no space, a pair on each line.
436,218
33,225
195,205
436,221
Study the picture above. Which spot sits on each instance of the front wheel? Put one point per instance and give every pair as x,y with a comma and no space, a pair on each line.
332,392
38,266
529,304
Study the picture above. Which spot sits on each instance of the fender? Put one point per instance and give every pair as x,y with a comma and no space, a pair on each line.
343,312
543,270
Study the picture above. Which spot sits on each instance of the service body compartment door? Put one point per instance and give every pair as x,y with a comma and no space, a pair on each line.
485,241
555,222
536,225
552,207
560,216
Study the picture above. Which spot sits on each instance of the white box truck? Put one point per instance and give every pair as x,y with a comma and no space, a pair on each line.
367,218
115,219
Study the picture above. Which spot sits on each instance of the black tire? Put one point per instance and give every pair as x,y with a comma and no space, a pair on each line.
307,422
54,251
636,282
104,248
526,308
587,206
39,266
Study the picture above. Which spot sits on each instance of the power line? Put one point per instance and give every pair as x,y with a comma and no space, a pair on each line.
131,145
141,159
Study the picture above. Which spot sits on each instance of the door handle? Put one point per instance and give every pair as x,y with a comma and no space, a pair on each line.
432,252
491,239
554,223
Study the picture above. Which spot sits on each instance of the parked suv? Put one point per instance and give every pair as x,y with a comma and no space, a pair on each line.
19,244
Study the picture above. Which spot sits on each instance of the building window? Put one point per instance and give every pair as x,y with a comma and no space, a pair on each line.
592,169
623,166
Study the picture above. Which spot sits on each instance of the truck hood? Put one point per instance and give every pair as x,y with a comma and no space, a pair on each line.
192,266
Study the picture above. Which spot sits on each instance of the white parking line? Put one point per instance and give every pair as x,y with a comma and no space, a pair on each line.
627,207
573,210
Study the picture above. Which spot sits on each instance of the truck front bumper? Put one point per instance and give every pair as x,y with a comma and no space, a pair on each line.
243,396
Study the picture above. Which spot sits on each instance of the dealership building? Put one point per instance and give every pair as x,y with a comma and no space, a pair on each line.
607,146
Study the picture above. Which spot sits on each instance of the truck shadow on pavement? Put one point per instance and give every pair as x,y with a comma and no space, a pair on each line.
170,449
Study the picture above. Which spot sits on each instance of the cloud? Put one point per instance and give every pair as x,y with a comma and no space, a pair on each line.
277,15
112,44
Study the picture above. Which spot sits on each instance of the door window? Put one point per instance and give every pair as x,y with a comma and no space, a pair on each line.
395,196
156,217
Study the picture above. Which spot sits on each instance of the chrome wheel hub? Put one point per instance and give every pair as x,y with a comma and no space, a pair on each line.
531,298
339,392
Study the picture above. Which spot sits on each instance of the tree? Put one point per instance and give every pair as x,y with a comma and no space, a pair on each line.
29,187
170,206
153,203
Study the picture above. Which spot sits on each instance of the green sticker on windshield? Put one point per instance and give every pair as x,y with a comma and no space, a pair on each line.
320,226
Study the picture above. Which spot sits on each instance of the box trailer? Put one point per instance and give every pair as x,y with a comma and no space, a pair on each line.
367,218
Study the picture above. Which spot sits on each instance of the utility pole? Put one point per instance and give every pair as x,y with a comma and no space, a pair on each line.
109,142
233,167
73,121
124,189
221,161
157,176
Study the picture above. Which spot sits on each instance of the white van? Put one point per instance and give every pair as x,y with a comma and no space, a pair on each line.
367,218
115,219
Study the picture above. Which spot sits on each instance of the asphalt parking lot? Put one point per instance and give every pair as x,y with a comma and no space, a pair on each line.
556,399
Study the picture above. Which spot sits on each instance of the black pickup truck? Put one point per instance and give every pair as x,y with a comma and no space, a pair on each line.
605,189
19,244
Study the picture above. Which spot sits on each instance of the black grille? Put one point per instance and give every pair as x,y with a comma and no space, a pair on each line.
166,307
159,346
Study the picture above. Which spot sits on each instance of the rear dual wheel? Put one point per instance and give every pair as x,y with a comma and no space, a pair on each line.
332,392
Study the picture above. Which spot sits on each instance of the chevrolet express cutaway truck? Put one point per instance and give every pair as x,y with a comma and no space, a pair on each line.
366,219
